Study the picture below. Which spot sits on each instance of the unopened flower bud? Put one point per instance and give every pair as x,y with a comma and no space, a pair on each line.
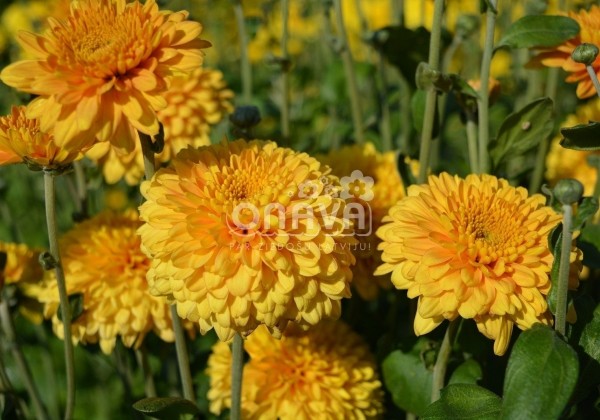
466,25
245,117
47,261
585,54
568,191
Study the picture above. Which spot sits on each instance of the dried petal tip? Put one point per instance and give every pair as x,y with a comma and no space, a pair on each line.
585,54
568,191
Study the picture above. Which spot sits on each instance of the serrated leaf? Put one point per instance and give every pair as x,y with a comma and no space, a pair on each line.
585,336
408,380
523,130
167,407
540,377
584,137
468,372
539,31
76,305
464,401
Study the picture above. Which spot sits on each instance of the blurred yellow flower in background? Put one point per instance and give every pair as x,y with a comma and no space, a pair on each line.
560,56
387,190
325,372
567,163
475,248
103,262
22,140
102,72
21,263
246,233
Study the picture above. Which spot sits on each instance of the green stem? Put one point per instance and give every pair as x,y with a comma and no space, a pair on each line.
285,75
431,98
11,336
81,188
50,199
398,11
594,78
472,142
563,270
441,363
385,125
5,385
352,85
483,102
237,369
183,359
245,67
142,358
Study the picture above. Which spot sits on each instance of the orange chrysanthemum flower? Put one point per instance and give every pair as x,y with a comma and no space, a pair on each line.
22,140
567,163
103,262
195,102
387,189
102,72
560,56
245,233
325,372
475,248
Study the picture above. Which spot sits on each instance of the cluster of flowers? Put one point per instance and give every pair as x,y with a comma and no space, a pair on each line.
474,248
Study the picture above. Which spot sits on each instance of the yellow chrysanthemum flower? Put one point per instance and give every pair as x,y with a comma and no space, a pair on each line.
21,263
103,262
567,163
560,56
22,140
475,248
195,102
102,72
326,372
387,189
246,233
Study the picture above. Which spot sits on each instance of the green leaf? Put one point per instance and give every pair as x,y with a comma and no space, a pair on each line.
522,131
408,379
417,105
406,174
555,239
540,377
584,137
585,335
587,207
167,407
76,305
589,243
539,31
468,372
464,401
403,48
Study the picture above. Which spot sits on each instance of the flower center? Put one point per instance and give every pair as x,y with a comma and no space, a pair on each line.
491,229
102,42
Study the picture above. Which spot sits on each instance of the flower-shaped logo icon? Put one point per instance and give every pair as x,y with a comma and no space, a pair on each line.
357,185
308,189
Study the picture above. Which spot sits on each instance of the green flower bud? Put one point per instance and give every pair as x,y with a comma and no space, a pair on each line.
568,191
466,25
47,261
585,54
245,117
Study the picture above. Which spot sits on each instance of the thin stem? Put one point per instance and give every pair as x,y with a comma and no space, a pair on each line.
11,336
81,188
352,85
563,270
285,75
385,125
441,363
237,369
398,11
431,98
594,78
5,385
483,102
472,142
50,199
245,67
142,358
183,359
